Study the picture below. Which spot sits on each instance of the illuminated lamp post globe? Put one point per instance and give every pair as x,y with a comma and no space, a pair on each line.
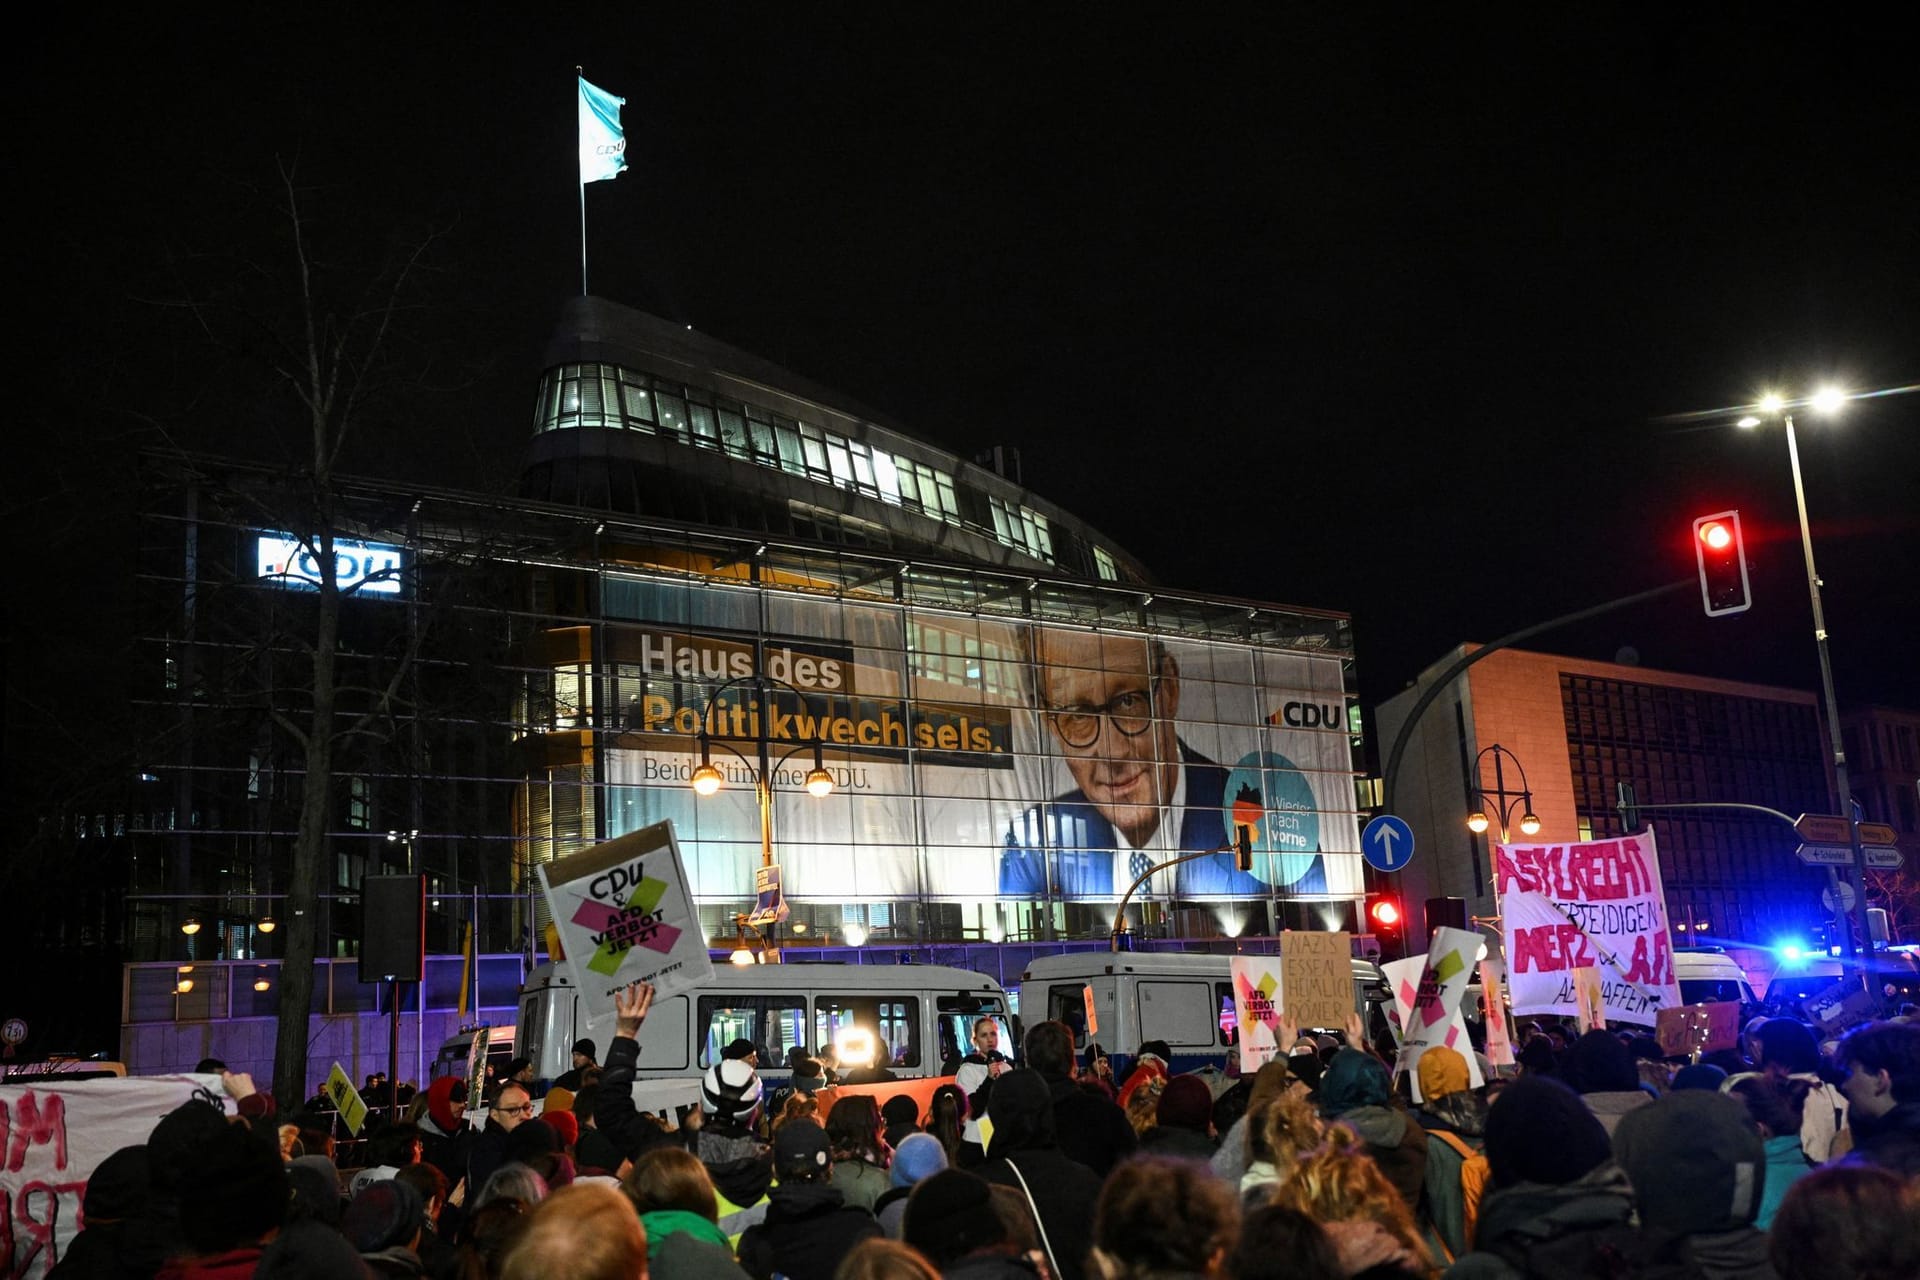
707,779
1505,801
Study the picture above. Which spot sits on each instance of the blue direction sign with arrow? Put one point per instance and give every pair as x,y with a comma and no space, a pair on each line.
1387,843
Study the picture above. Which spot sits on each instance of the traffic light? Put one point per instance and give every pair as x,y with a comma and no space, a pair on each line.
1386,914
1243,846
1722,554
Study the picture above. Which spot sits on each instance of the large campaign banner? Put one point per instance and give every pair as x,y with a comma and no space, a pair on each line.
52,1137
975,758
1595,905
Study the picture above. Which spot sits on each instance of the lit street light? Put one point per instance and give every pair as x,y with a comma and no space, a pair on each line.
1505,801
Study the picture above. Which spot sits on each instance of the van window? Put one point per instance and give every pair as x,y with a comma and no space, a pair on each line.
663,1036
1181,1013
955,1021
1068,1004
1711,991
895,1019
774,1023
1229,1016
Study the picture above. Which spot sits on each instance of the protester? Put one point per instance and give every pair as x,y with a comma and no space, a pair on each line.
1357,1091
1775,1107
384,1224
305,1250
1455,1120
951,1219
1163,1217
581,1233
1142,1103
808,1227
946,1120
918,1157
1340,1186
1277,1243
512,1106
881,1259
1183,1121
444,1135
1848,1220
1149,1065
901,1116
974,1078
512,1181
438,1257
1786,1048
675,1199
1091,1127
1026,1154
118,1238
1882,1062
1288,1125
232,1193
316,1190
859,1154
593,1151
1697,1162
487,1233
1699,1075
1236,1150
572,1079
1558,1204
1600,1069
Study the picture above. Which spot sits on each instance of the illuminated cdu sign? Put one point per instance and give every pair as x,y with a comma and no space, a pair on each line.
361,566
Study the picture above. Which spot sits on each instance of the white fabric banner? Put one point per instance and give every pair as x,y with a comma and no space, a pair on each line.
1593,905
52,1137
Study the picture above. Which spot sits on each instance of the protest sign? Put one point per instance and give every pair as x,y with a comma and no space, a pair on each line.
55,1135
1256,1009
1316,977
624,915
1842,1005
477,1067
1494,1012
1597,904
1403,979
345,1099
1589,1005
1093,1019
1689,1029
1429,1020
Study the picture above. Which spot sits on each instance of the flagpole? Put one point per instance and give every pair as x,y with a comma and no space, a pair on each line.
580,74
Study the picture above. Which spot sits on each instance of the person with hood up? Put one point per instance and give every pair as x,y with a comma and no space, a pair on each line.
918,1157
443,1129
1357,1091
1600,1069
1698,1166
670,1189
808,1226
1455,1119
1091,1127
951,1219
1025,1153
1149,1064
1183,1121
1557,1204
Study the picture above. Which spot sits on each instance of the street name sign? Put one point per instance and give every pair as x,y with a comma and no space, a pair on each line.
1831,828
1879,858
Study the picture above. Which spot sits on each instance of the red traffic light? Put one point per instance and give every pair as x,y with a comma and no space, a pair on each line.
1385,913
1721,553
1716,535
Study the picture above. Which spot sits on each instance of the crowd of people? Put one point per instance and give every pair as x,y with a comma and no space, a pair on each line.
1593,1156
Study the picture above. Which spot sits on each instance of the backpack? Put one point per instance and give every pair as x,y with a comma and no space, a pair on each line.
1475,1176
1614,1252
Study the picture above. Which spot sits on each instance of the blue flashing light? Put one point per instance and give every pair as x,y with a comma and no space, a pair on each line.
1789,950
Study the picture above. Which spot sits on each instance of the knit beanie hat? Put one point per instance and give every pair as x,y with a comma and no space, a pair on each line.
531,1138
950,1215
383,1216
1442,1071
565,1125
730,1089
918,1157
446,1100
1306,1068
316,1189
1598,1063
1696,1162
1538,1130
583,1047
900,1109
557,1099
1186,1103
309,1251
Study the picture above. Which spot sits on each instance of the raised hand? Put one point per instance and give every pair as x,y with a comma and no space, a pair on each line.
630,1007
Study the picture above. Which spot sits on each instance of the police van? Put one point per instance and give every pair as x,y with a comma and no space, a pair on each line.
915,1020
1183,999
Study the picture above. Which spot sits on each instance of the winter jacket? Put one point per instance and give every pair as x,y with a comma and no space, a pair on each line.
1533,1229
1231,1158
1397,1145
1732,1255
235,1264
1182,1144
1090,1128
688,1247
1608,1107
485,1153
397,1261
974,1077
661,1224
1064,1194
861,1184
991,1265
1822,1119
1891,1141
614,1114
1786,1164
808,1229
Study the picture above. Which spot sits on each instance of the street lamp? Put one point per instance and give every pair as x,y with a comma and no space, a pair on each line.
707,778
1826,402
1505,801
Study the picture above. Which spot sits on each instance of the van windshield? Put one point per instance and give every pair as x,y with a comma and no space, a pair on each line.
1711,991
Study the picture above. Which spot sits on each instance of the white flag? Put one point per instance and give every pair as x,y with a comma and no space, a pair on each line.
603,143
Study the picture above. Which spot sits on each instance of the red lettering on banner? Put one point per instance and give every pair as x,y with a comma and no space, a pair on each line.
31,1124
35,1234
1655,969
1550,948
1605,871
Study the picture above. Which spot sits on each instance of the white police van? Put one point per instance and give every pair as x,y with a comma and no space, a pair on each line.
916,1019
1183,999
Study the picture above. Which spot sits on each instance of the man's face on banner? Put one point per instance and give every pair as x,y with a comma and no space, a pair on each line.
1110,709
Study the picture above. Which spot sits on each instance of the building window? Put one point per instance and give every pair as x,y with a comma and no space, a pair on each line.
1104,566
359,803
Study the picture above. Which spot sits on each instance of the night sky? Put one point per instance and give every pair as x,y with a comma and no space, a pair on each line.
1385,317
